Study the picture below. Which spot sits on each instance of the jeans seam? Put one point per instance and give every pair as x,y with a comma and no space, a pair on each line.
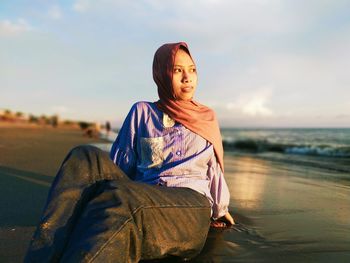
135,211
94,178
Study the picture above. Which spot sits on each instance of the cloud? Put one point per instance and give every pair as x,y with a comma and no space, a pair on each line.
55,12
81,6
256,106
105,7
252,104
9,28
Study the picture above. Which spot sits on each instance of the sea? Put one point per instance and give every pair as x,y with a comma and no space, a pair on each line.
326,150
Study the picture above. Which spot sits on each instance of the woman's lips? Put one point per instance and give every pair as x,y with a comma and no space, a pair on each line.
186,89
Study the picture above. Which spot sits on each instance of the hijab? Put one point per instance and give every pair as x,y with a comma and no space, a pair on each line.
194,116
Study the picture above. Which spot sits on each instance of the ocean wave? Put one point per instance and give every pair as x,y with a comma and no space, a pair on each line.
258,146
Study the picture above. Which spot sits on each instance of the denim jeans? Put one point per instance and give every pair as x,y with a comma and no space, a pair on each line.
95,213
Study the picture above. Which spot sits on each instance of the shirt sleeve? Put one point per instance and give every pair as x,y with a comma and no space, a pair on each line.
218,189
123,151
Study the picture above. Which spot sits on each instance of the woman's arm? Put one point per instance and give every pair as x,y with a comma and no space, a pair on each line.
220,194
123,151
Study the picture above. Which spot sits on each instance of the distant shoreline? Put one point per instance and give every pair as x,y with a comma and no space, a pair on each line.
6,124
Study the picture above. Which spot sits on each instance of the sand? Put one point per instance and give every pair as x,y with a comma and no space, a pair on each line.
288,217
282,215
29,159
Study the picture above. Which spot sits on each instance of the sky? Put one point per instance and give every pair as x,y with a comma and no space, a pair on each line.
260,63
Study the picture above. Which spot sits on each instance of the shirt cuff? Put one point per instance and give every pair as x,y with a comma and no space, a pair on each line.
219,211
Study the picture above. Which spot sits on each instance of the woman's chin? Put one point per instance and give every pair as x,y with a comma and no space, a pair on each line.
184,98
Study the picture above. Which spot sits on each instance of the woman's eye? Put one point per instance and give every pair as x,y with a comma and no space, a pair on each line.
193,70
176,70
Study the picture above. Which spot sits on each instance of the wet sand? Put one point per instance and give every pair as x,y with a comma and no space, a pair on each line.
288,217
282,215
29,159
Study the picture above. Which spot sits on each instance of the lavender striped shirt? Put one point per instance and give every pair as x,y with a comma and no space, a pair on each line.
154,149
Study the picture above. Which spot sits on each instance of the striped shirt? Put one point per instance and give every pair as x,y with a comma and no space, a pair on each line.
154,149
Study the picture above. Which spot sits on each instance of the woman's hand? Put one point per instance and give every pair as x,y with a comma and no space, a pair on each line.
227,219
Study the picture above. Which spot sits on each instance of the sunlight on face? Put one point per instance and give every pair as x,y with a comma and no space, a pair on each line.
184,76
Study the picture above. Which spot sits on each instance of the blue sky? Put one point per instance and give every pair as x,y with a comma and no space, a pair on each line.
263,63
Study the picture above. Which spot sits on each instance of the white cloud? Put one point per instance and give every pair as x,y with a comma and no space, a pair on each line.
55,12
256,106
9,28
252,104
81,5
105,6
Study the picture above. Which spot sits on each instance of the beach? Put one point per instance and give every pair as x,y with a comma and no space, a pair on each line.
289,216
286,211
30,156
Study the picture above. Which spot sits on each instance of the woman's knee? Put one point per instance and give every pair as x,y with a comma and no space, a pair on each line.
92,160
86,151
88,154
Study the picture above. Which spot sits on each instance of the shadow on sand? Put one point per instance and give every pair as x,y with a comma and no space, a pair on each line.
22,196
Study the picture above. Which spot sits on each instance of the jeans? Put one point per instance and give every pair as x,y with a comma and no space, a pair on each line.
95,213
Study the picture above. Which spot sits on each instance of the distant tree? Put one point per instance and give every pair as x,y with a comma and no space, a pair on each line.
19,114
44,119
68,122
54,121
84,125
33,119
8,115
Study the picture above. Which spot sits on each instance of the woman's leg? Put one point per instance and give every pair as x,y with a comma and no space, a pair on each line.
133,221
82,171
95,213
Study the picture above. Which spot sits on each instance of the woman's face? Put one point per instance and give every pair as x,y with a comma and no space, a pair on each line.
184,76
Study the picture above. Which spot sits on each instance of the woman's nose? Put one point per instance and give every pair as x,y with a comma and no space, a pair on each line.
186,78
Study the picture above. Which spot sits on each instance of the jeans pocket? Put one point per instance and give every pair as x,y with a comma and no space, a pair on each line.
152,155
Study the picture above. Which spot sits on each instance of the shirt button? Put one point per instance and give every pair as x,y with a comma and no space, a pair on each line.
178,153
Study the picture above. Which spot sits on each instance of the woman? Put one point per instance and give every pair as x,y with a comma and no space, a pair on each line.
172,152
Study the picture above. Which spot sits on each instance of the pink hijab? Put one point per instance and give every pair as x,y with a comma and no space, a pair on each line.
193,115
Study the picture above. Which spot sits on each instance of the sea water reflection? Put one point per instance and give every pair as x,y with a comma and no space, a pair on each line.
246,178
301,216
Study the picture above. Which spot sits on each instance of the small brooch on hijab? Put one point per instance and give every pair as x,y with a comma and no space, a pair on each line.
167,121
